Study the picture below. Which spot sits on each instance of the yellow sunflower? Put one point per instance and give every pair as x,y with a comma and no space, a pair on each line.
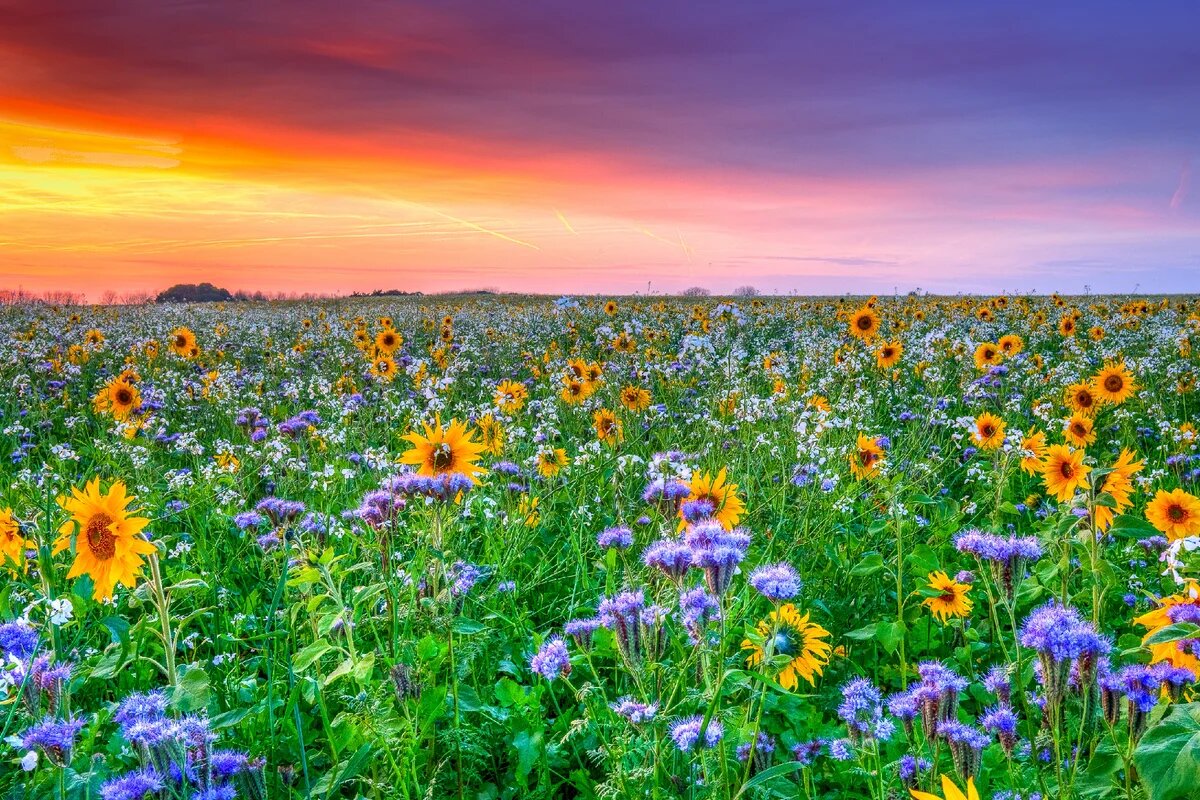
864,323
608,428
1117,484
384,367
1011,344
1080,430
1033,449
1082,398
785,632
987,355
866,458
442,451
1160,618
119,397
989,431
635,398
723,496
551,461
107,539
949,791
183,342
493,434
1063,471
1114,383
1175,513
889,354
387,341
12,543
951,600
510,396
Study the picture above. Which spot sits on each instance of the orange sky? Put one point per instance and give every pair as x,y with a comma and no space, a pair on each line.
450,146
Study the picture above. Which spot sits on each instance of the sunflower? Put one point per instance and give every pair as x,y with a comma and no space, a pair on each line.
384,367
387,341
624,343
1082,397
12,543
1063,471
785,632
987,355
94,338
442,451
949,791
889,354
1011,344
107,541
574,391
493,434
510,396
864,323
1080,430
551,461
951,599
723,496
1114,383
635,398
989,431
608,428
1160,618
1067,325
1175,513
183,342
1118,484
610,307
866,458
1033,447
119,397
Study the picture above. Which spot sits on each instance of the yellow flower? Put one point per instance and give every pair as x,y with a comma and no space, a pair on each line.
866,458
183,343
1175,513
12,543
1033,447
728,507
387,341
1080,430
1114,383
1011,344
1081,397
889,354
527,508
949,791
442,451
986,355
989,431
510,396
634,398
551,461
227,461
119,397
608,428
786,633
493,434
107,539
384,368
952,600
1063,471
864,323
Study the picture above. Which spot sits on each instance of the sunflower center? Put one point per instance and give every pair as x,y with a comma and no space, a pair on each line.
1079,429
1177,513
987,430
1114,383
948,596
782,644
866,457
99,538
181,341
442,457
864,323
124,397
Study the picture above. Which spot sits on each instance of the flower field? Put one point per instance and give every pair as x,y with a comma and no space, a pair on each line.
510,547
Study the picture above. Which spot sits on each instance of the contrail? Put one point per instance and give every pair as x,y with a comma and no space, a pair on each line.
563,220
1181,190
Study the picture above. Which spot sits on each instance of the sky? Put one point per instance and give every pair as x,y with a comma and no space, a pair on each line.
615,147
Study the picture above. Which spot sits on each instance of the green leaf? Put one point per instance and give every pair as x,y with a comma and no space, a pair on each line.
468,626
343,669
769,774
1131,527
1173,633
192,693
864,633
310,654
347,771
1168,756
890,634
871,563
529,747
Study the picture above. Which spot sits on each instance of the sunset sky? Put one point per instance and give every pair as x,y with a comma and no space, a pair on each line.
595,147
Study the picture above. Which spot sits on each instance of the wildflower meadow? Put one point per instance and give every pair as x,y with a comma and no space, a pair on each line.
494,546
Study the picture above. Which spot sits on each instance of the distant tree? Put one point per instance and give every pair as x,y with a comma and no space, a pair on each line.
696,291
194,293
746,291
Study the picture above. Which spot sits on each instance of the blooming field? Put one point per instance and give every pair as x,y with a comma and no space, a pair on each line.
508,547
